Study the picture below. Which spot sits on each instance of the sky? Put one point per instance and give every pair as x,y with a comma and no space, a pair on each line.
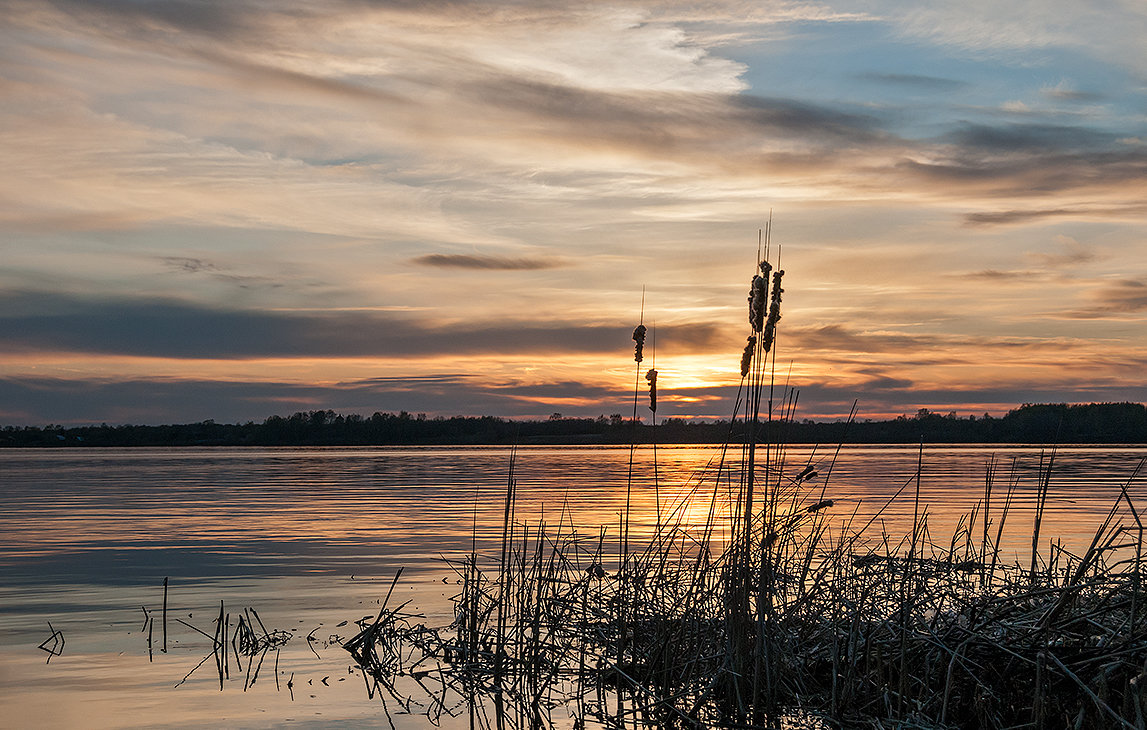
231,209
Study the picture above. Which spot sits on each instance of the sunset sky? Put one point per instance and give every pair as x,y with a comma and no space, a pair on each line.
231,209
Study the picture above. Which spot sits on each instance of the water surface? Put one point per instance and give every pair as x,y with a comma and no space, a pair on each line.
311,538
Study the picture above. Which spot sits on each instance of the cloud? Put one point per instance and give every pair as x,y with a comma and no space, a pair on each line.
1117,299
90,400
1074,254
980,25
1013,138
1065,92
804,119
70,222
1006,217
215,18
511,394
714,135
998,275
490,108
196,266
563,389
410,382
32,401
490,263
839,338
876,380
914,81
1030,169
1051,265
1106,29
189,265
157,327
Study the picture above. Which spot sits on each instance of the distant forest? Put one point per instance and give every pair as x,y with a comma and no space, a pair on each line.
1116,423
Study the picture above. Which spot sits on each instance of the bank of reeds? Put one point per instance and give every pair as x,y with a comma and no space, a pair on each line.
776,608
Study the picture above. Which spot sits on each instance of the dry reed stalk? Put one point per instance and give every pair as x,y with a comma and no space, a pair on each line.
165,615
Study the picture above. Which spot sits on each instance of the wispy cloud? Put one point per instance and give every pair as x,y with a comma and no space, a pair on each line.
486,263
999,275
1129,295
835,337
1030,137
1118,299
914,81
189,265
1109,29
1063,91
131,16
1003,217
197,266
1073,254
1109,213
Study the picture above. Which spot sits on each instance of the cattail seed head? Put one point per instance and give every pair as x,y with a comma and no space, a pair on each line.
639,339
770,328
758,302
759,296
651,377
747,355
823,504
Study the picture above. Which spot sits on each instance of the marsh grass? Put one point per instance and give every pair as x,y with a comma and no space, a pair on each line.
774,610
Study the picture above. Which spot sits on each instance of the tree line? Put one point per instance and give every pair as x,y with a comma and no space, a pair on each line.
1117,423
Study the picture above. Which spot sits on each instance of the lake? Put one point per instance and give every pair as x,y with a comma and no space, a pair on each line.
312,537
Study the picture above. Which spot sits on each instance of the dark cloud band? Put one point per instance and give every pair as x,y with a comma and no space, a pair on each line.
486,263
169,328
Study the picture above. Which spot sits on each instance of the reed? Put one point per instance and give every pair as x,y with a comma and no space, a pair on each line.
775,610
247,645
54,644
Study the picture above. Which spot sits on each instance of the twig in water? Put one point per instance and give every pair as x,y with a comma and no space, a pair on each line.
54,644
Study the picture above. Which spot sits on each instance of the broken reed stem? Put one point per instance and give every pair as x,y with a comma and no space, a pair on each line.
1041,502
164,616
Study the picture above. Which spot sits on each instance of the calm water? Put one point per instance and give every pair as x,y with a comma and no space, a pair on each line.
311,537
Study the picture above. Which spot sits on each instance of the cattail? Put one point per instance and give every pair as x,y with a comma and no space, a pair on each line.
770,329
823,504
747,355
639,338
651,376
758,302
758,297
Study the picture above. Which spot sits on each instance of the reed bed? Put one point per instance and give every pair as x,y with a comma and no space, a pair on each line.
776,610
